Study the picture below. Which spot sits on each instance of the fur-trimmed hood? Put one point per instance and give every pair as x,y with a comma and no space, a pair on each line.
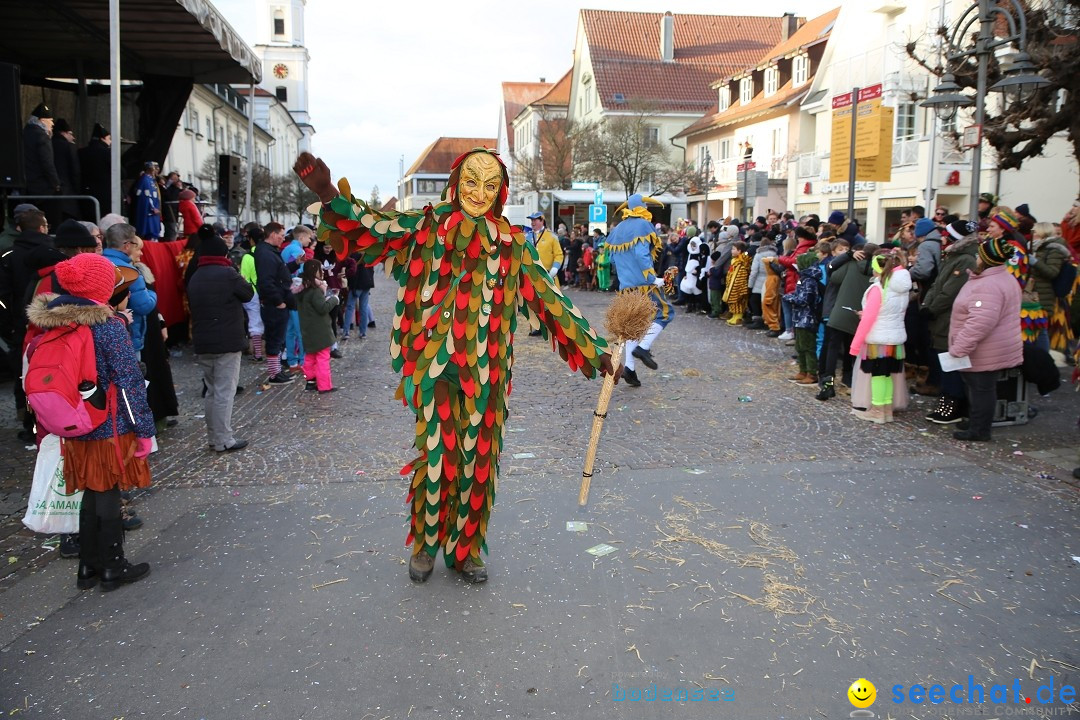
49,311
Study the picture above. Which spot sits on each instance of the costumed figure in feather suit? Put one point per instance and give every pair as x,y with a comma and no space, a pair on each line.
634,248
464,273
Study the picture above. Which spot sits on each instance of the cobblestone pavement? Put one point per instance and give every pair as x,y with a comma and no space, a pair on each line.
769,505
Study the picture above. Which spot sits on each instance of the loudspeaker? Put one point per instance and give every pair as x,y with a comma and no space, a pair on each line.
12,164
229,184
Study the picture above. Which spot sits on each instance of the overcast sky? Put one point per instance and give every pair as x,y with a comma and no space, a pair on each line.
389,78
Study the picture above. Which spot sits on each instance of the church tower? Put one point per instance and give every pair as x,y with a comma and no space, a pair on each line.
280,35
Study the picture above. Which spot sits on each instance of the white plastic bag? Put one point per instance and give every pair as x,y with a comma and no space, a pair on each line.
51,509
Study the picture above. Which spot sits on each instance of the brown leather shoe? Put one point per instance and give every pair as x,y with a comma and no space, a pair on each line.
421,566
474,571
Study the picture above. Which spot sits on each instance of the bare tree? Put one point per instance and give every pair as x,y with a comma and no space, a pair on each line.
551,166
625,149
374,202
1019,132
300,198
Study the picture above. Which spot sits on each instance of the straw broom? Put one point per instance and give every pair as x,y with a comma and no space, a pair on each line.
628,318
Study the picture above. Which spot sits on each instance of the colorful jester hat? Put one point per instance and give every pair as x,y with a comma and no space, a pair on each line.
478,184
635,206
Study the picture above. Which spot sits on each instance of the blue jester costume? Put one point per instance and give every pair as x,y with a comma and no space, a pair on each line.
462,281
634,248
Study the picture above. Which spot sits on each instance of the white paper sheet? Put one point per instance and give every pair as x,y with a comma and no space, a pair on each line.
952,364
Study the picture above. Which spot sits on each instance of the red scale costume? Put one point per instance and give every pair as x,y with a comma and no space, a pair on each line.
462,282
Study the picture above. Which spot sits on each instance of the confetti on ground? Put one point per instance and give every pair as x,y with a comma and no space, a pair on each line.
694,471
576,526
523,456
601,550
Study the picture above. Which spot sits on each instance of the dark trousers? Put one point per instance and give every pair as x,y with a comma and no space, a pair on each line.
982,399
952,385
276,321
755,306
834,350
100,528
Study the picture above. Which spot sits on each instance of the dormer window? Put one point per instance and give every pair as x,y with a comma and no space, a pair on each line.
772,80
800,70
746,90
725,98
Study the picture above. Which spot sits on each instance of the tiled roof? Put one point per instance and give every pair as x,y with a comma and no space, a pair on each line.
389,205
516,95
441,154
811,32
625,52
783,97
559,94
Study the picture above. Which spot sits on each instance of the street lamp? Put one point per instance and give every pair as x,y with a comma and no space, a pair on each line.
708,181
1018,84
748,152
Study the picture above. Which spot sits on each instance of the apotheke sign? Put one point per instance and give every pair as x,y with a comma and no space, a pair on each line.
842,188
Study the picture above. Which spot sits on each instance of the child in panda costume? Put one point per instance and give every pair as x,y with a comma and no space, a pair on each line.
689,285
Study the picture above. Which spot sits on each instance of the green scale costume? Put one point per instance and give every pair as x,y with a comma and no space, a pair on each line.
461,282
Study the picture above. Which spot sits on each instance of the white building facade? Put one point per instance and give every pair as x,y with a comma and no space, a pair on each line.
280,43
870,49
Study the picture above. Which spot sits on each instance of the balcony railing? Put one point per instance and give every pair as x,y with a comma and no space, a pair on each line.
809,165
905,152
778,167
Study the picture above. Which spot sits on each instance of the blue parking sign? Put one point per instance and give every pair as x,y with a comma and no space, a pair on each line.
598,213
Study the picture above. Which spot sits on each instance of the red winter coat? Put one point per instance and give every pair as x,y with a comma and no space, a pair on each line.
193,220
791,277
985,322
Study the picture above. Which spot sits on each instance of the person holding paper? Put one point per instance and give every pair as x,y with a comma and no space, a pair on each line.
985,327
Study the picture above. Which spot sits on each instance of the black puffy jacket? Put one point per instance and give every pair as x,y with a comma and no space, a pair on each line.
216,297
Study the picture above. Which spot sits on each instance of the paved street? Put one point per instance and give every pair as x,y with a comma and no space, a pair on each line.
772,551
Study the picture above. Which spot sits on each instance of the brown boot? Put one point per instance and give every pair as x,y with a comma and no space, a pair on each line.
808,379
799,378
888,413
421,566
923,388
473,570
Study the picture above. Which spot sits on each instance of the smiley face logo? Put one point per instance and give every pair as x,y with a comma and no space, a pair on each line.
862,693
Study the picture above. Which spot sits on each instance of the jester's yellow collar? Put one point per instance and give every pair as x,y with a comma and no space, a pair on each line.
635,207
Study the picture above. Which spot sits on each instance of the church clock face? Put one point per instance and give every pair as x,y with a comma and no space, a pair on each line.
281,71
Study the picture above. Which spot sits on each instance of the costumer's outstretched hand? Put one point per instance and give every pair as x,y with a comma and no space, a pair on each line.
314,173
606,369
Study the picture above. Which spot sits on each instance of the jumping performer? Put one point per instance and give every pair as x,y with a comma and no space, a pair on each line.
634,247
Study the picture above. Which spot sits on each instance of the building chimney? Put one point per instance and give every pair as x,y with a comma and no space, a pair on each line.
543,79
789,25
667,37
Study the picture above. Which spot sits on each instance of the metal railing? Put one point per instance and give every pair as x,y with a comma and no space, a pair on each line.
905,152
809,165
23,198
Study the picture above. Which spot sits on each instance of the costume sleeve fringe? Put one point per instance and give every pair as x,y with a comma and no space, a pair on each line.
557,319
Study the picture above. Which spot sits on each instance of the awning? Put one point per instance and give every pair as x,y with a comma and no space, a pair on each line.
586,197
172,38
805,208
842,204
904,202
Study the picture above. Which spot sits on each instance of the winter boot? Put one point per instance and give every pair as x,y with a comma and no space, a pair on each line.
949,411
827,390
421,566
116,570
473,570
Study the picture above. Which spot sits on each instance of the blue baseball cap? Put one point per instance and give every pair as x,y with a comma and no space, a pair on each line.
536,216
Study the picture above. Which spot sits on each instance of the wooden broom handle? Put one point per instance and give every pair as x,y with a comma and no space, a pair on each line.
598,423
